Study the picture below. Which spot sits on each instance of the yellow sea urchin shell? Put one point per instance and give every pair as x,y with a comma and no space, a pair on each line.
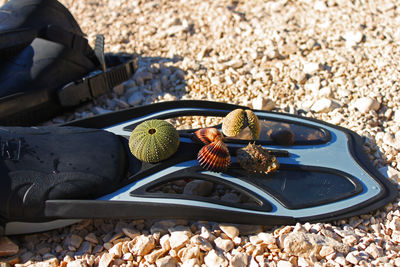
255,158
237,120
153,141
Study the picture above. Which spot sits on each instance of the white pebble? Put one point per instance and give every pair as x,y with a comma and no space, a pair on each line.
365,104
310,67
324,105
262,103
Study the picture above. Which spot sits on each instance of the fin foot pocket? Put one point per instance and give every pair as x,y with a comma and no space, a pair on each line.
58,163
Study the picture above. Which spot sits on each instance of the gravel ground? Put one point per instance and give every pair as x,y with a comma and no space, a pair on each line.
335,60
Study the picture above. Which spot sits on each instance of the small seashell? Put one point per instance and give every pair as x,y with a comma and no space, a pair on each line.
255,158
214,157
207,135
237,120
154,140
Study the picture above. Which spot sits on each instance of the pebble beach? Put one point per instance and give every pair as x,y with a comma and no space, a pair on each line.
333,60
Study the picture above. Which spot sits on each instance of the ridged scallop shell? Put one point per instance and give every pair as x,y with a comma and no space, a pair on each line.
153,141
237,120
214,157
207,135
255,158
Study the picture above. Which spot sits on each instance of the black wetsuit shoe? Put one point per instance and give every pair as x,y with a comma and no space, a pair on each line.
29,81
44,163
47,65
21,21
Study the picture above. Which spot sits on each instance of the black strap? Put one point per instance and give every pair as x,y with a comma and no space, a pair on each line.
96,84
66,38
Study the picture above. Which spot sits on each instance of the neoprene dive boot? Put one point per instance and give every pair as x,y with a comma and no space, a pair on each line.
47,65
21,21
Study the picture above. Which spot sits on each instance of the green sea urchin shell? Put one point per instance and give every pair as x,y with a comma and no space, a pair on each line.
154,140
237,120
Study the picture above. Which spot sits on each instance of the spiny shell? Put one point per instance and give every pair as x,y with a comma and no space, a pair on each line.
255,158
154,140
214,157
207,135
237,120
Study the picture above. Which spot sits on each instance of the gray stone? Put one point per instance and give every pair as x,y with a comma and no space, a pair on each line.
167,261
240,259
303,244
224,244
119,89
91,237
230,230
85,248
130,232
231,197
164,225
267,238
391,173
199,188
156,85
353,258
142,245
201,242
249,229
142,75
75,241
178,240
121,103
106,259
99,110
374,251
136,98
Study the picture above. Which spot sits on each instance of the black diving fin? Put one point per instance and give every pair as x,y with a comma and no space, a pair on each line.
324,173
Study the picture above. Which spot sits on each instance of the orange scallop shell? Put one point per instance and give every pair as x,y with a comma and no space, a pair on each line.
214,157
207,135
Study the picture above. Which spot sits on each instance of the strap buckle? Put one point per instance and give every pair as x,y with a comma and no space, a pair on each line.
96,84
10,149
